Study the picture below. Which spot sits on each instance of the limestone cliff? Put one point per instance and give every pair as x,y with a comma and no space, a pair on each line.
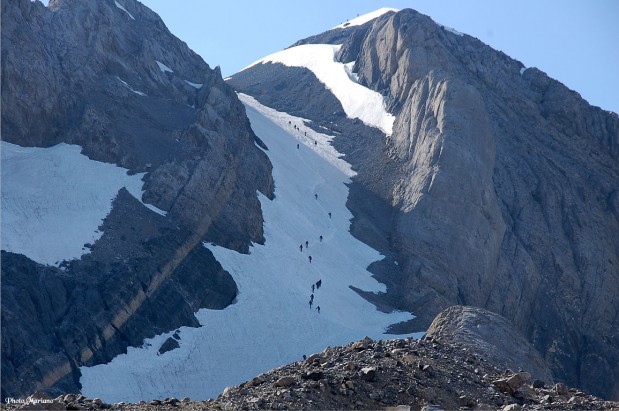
496,189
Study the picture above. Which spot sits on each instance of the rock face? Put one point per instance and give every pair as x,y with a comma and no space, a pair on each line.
496,189
111,78
491,336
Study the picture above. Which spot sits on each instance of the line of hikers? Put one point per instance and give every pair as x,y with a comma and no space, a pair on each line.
318,283
315,286
299,129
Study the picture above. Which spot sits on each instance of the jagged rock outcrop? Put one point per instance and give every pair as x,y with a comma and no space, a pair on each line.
496,189
111,78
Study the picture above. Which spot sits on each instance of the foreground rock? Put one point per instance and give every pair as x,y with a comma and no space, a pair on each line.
385,375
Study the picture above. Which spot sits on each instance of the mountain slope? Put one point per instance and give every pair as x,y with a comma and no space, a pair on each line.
110,81
496,188
272,321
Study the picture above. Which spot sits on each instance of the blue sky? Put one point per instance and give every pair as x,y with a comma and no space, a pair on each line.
574,41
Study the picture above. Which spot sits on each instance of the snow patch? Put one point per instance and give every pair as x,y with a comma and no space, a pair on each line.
123,9
54,200
359,20
194,85
163,67
358,101
130,88
271,323
522,70
155,209
454,31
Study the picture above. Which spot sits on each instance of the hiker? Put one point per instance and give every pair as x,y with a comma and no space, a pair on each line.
304,357
318,283
311,302
315,143
307,244
318,309
289,122
312,297
297,146
310,260
305,133
301,248
313,287
316,196
329,214
321,239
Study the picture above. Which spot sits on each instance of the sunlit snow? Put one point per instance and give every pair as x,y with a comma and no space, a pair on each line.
163,67
452,30
359,20
194,85
271,322
54,199
129,87
358,101
123,9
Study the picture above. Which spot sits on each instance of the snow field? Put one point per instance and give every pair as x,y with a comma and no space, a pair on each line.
271,323
54,199
358,101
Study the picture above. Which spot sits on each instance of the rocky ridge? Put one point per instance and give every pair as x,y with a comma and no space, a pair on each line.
109,77
379,375
497,188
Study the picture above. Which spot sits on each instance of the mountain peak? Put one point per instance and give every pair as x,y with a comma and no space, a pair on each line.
364,18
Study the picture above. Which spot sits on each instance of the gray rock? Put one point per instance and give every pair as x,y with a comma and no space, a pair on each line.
313,375
168,345
561,389
368,373
512,383
256,381
285,382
